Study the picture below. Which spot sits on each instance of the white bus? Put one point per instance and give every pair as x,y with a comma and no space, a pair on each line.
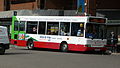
73,33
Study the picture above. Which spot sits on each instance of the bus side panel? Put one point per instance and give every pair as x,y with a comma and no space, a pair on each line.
38,44
18,42
12,41
74,47
53,45
21,42
50,45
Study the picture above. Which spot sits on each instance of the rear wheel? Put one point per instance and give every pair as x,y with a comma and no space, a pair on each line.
30,45
2,51
64,47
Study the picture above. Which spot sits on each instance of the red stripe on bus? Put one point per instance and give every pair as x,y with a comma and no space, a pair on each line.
72,47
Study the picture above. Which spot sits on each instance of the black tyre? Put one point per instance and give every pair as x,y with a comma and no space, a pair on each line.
64,47
30,45
2,51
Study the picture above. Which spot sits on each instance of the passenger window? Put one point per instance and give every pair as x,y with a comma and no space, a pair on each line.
22,26
42,27
77,29
32,27
65,28
52,28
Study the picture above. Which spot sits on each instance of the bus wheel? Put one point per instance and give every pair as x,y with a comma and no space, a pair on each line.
30,45
2,51
64,47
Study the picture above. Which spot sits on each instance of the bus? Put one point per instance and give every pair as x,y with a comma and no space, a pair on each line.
66,33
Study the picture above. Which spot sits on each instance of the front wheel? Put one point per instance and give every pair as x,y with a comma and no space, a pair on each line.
64,47
30,45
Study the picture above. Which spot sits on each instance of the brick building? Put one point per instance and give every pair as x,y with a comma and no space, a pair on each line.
111,10
90,7
36,4
108,4
18,4
56,4
2,5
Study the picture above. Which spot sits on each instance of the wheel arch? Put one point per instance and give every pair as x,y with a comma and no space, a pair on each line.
63,42
29,40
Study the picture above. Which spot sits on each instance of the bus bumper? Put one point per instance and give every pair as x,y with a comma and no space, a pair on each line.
84,48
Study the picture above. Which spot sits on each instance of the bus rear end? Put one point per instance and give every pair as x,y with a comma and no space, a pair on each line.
95,34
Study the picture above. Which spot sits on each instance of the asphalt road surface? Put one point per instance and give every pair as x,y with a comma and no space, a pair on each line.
19,57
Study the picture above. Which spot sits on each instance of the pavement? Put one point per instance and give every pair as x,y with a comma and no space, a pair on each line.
115,54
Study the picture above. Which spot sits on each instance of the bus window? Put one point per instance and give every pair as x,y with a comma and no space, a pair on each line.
32,27
77,29
65,28
16,25
42,26
90,31
95,31
22,26
52,28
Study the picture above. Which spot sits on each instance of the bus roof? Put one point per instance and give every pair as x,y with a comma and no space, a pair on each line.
54,18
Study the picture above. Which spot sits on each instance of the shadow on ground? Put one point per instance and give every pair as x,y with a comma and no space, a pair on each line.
75,52
20,53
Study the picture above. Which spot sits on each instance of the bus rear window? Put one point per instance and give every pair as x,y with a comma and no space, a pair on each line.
95,31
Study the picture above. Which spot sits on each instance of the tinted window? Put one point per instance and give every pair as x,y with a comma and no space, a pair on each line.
52,28
22,26
32,27
42,26
95,31
64,28
77,29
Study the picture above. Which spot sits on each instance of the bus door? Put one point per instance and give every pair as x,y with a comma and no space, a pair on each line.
19,31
